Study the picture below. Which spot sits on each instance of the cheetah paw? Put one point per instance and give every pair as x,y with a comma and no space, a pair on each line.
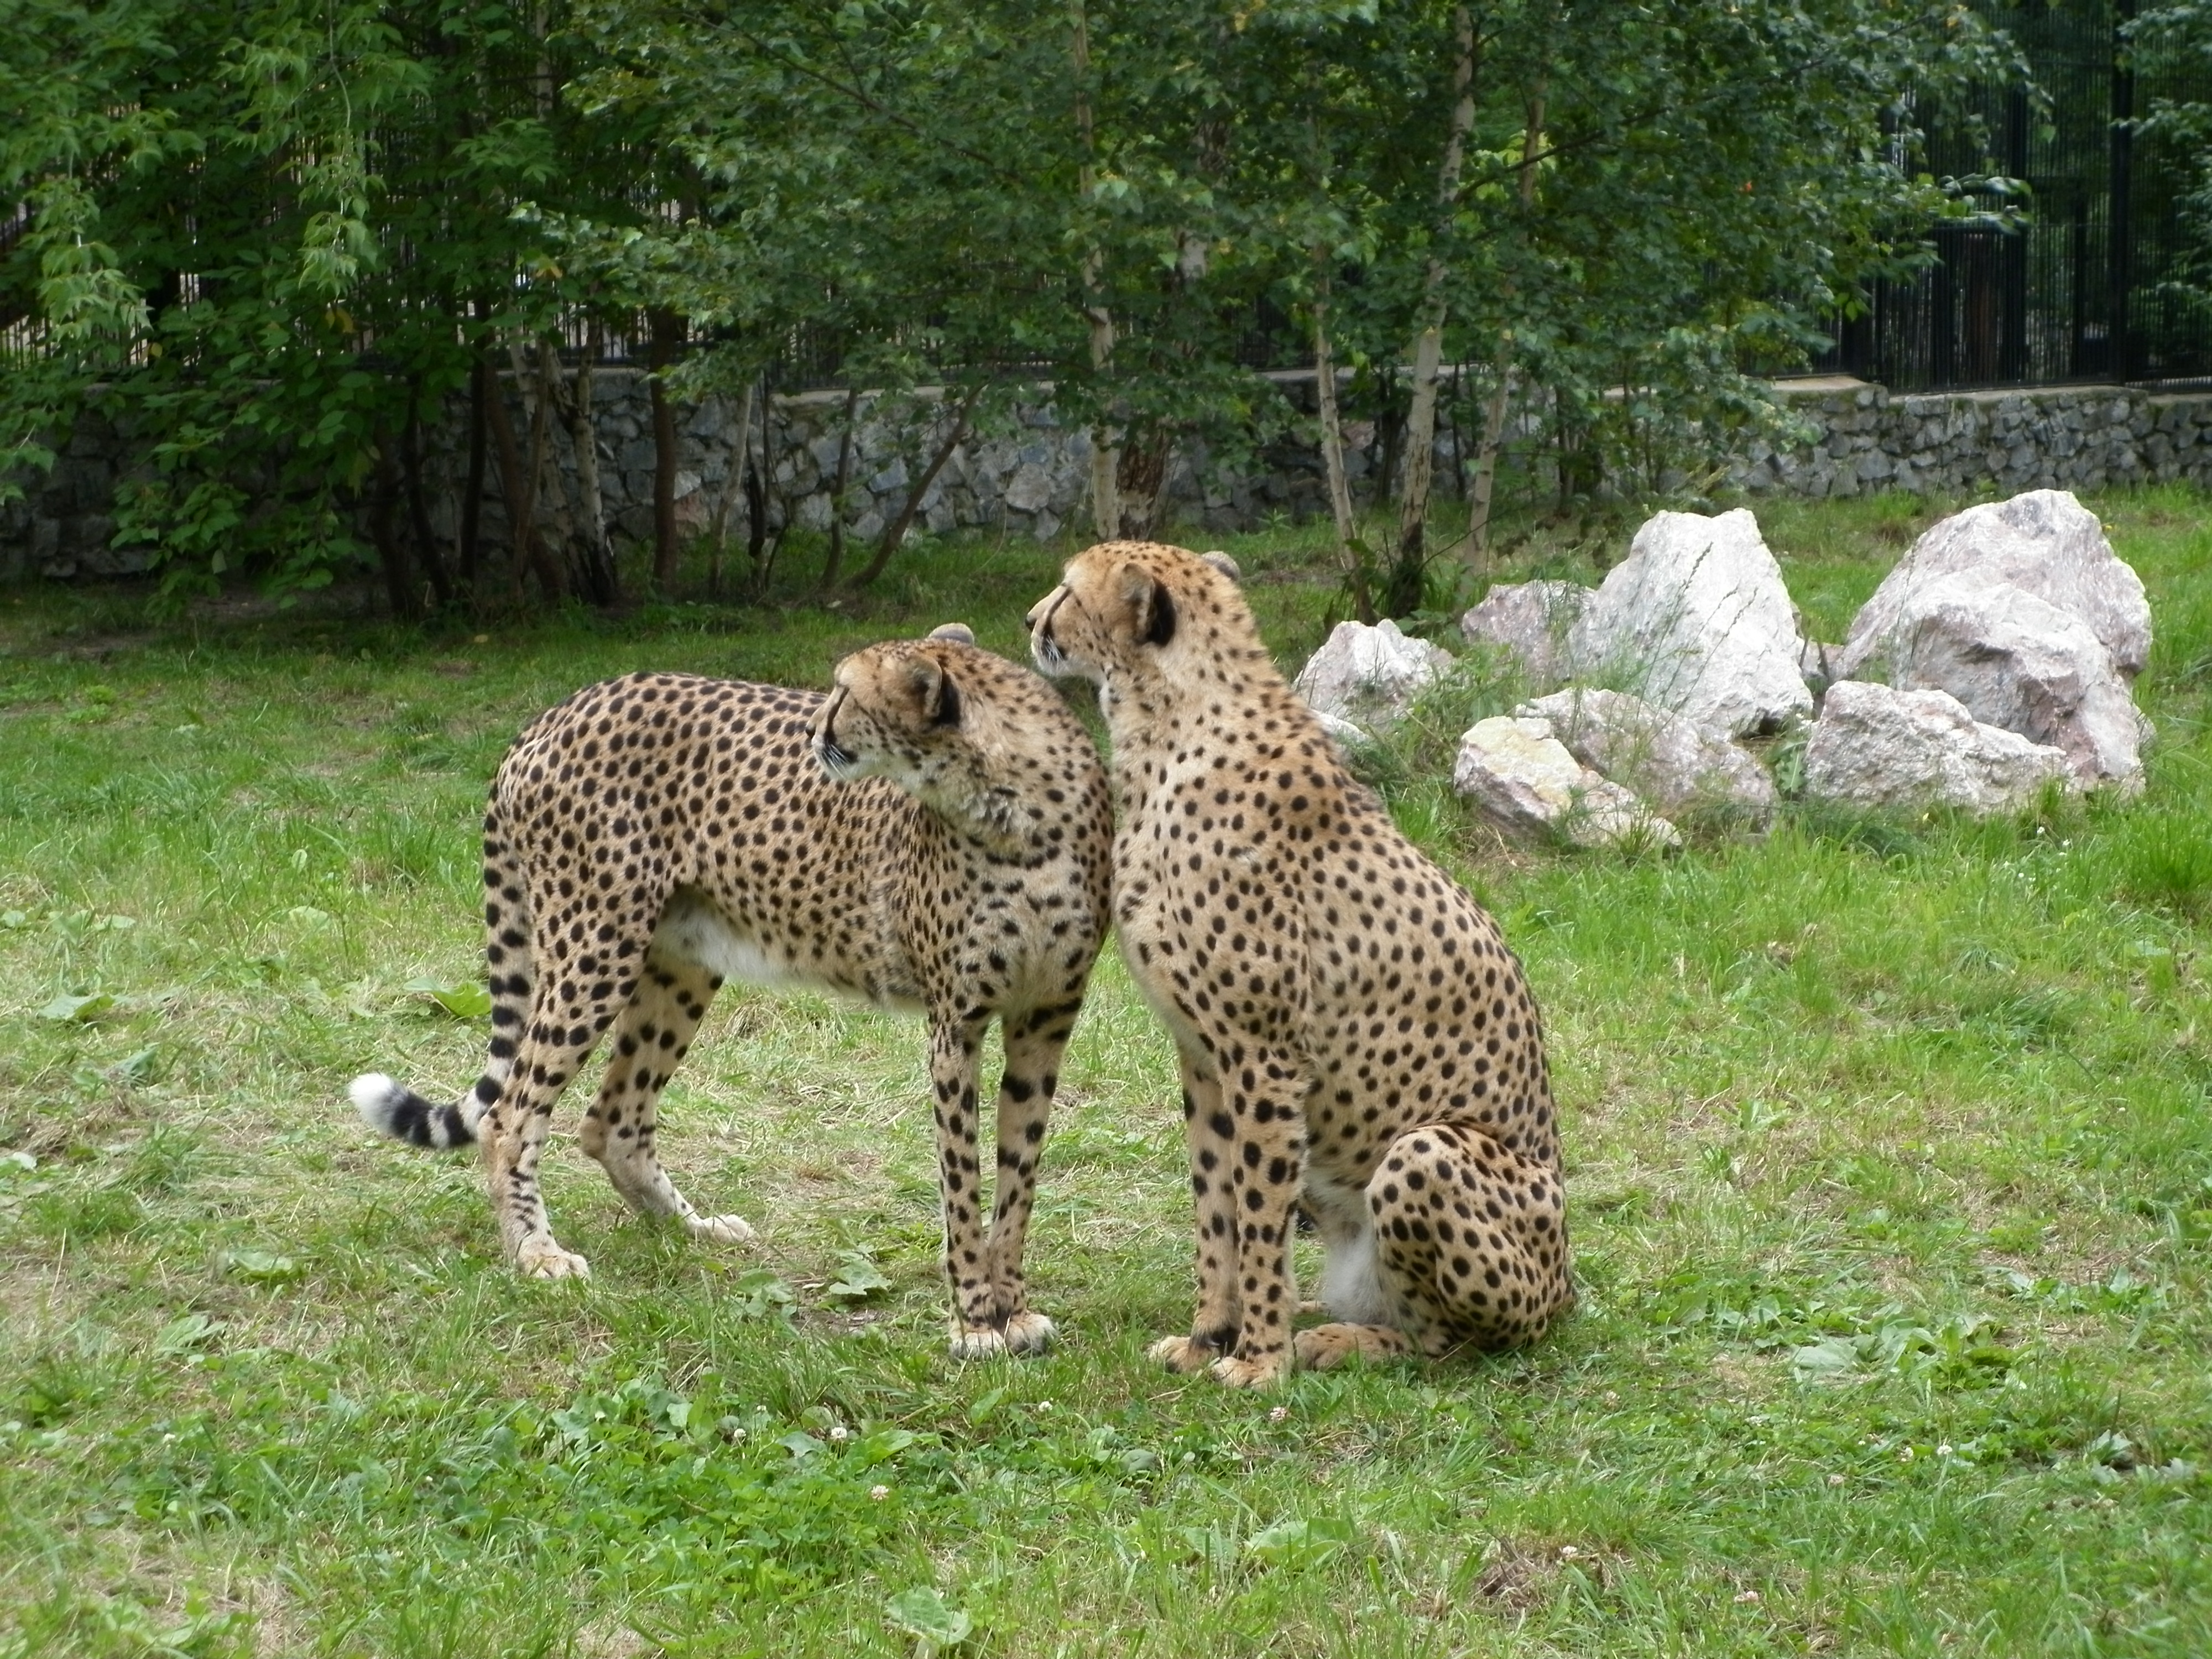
720,1228
1326,1347
1029,1332
1181,1354
541,1258
977,1342
1233,1373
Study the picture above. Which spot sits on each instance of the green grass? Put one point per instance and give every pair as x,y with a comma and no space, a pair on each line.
1889,1170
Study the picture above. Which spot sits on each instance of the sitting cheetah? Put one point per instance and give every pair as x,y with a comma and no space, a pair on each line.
933,836
1353,1032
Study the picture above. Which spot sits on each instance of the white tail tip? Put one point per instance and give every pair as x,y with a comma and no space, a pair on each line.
373,1094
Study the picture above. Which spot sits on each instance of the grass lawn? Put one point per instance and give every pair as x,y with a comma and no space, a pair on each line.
1889,1174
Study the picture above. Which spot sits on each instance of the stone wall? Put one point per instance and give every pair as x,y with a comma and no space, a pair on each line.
1960,442
1027,475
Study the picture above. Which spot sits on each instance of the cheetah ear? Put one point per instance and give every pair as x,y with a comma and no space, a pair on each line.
1151,610
1224,563
934,690
958,632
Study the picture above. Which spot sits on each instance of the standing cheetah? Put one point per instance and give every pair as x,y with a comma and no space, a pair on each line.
1353,1033
932,835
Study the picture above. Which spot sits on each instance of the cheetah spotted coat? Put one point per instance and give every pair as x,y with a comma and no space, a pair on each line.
1353,1033
933,836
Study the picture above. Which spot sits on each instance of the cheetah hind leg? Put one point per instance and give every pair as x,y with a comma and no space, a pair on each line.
652,1034
1353,1293
1469,1246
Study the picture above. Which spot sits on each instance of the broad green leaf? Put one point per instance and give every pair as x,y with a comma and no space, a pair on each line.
186,1332
924,1612
82,1011
260,1266
1299,1544
461,1001
858,1279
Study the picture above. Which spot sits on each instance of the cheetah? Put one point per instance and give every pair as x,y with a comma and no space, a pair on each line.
933,836
1353,1036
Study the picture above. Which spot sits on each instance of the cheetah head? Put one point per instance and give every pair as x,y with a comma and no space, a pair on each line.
897,713
1122,610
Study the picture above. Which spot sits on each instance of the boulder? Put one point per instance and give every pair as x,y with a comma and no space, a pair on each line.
2020,664
1663,757
1370,677
1696,620
1532,621
2043,542
1879,748
1525,780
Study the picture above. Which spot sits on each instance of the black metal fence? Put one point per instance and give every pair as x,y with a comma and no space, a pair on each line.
2081,281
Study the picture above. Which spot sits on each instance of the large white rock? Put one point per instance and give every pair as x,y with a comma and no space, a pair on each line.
1533,621
2044,543
1526,781
1661,756
1696,619
1369,677
2027,666
1877,747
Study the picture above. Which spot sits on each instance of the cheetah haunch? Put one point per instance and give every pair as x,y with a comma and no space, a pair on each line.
933,836
1353,1033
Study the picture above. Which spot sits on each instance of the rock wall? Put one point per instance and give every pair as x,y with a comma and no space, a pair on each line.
1027,475
1958,442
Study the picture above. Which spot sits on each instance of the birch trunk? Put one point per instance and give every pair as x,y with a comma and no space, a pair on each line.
1428,344
599,558
732,487
1332,446
1494,423
1105,448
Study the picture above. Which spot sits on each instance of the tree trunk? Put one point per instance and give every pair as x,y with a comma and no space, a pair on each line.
1485,468
1140,483
1353,560
537,404
1493,423
834,565
1404,581
596,554
896,531
1105,451
471,550
418,509
391,551
667,334
757,483
718,539
515,489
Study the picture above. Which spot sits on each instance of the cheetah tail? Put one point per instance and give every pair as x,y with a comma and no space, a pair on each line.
395,1110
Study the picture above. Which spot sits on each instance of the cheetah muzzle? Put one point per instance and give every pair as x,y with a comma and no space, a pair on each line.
932,835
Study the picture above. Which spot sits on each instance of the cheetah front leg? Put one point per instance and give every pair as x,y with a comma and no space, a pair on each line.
652,1034
977,1327
1209,1136
1034,1042
1262,1093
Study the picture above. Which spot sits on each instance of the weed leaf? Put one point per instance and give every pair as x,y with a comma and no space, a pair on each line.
81,1010
1298,1544
858,1279
923,1612
462,1001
